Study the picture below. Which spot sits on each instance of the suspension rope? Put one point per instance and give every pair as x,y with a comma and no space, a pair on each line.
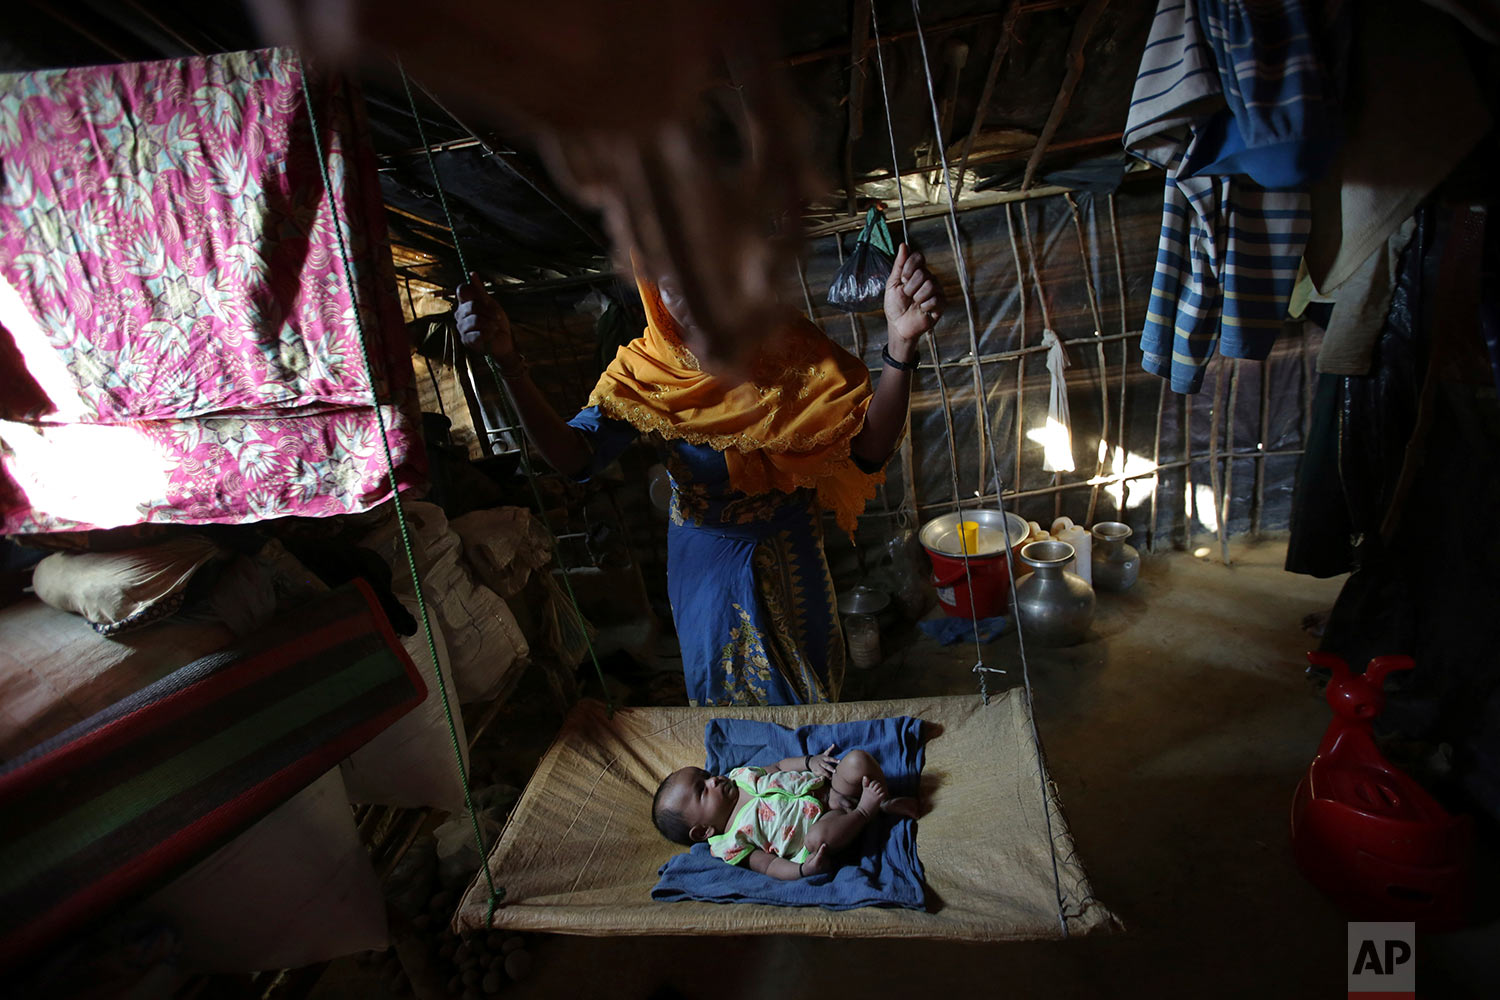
508,402
496,893
890,128
916,10
937,366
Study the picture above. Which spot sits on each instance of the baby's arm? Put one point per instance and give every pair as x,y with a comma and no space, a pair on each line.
769,864
821,764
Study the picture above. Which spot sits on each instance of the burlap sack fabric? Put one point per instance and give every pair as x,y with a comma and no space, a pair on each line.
580,855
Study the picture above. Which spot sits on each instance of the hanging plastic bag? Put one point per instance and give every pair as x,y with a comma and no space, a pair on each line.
860,282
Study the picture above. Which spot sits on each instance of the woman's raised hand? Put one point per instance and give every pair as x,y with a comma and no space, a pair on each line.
482,324
913,300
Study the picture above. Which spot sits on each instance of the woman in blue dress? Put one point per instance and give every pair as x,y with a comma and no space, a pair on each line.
755,457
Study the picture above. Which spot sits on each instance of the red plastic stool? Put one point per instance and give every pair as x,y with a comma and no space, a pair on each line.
1362,830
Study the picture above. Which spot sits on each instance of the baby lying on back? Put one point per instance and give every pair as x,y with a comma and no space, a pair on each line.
789,820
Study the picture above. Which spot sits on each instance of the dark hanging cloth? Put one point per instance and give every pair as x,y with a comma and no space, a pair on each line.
1357,439
1417,449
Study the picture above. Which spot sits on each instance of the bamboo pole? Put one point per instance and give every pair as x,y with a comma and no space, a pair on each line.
978,199
980,395
1000,356
1002,46
812,316
859,38
1260,459
1022,350
1187,475
1234,396
1083,26
1114,239
1161,403
1215,415
1093,296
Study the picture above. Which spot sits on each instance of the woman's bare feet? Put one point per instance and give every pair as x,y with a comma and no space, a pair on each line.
905,805
871,796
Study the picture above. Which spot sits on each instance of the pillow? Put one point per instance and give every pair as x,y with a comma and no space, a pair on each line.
118,591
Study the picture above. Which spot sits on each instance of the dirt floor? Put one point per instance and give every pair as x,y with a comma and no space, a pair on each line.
1176,736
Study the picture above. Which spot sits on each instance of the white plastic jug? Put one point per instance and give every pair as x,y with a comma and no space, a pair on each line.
1064,530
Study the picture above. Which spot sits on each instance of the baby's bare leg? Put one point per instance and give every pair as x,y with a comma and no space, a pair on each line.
848,778
847,784
838,826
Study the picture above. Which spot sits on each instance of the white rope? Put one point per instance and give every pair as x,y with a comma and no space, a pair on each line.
890,129
916,10
937,367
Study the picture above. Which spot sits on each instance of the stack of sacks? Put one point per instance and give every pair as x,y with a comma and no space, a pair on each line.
484,641
503,546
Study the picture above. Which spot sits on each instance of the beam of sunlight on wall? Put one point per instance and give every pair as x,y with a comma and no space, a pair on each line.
1128,463
1057,445
1207,511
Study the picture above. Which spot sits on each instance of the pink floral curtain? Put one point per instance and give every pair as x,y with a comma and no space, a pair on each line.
177,334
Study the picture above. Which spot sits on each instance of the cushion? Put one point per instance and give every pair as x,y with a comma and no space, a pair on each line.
117,591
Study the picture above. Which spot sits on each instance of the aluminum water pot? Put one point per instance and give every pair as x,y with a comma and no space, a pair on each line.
1056,606
1116,563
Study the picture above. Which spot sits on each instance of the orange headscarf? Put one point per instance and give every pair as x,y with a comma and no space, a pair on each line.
788,425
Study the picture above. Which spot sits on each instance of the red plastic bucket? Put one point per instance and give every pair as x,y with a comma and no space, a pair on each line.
987,577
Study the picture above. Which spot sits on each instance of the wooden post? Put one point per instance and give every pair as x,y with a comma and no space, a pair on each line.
1088,285
1214,416
1015,252
1114,239
1187,474
1161,403
1234,397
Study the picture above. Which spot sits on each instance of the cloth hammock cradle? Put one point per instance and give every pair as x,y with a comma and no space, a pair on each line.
579,853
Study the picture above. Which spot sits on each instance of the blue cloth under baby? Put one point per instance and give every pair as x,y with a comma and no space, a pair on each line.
881,867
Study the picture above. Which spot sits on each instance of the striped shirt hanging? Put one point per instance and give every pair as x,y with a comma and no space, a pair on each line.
1225,87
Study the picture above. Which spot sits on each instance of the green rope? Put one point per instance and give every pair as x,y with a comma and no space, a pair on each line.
512,409
496,894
